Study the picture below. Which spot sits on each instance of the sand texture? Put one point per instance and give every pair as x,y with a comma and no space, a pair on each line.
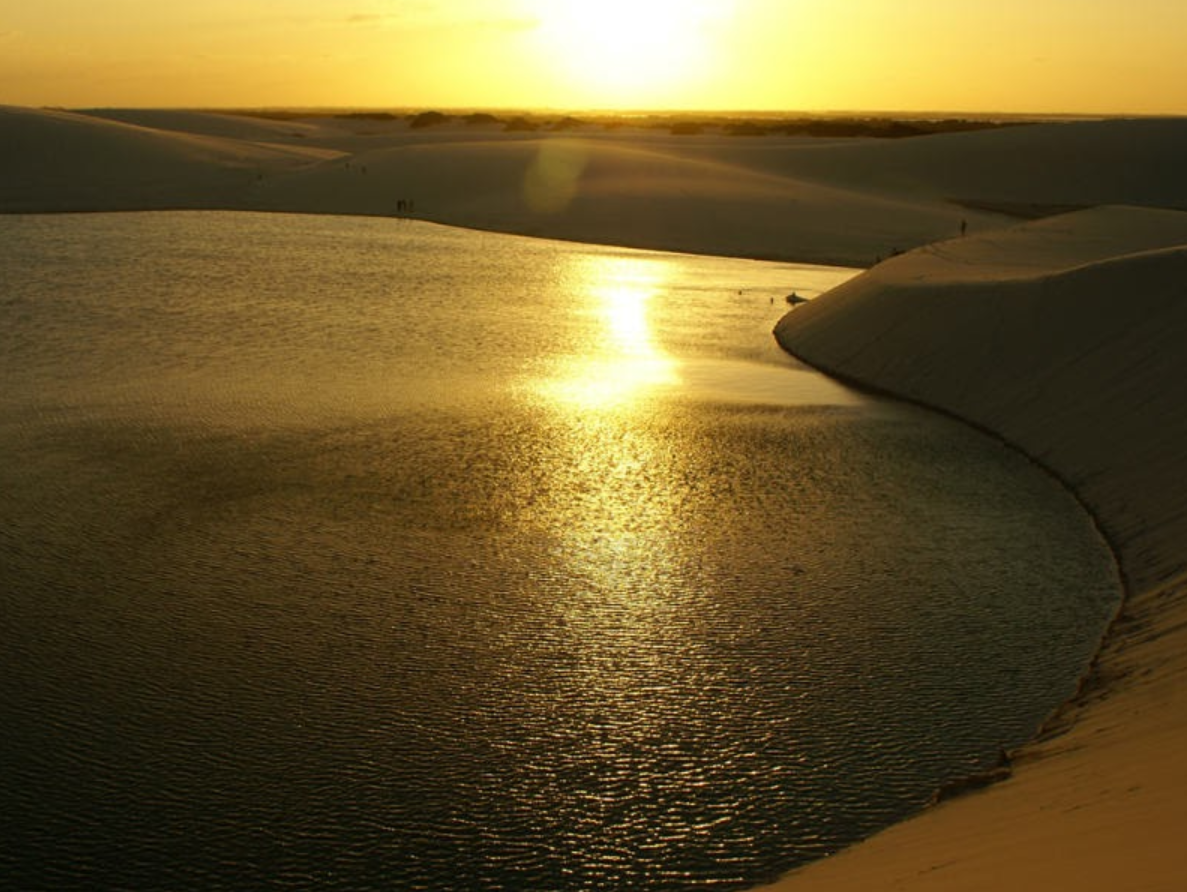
1064,336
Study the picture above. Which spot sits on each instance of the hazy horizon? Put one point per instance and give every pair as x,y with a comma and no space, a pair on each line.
1012,57
705,115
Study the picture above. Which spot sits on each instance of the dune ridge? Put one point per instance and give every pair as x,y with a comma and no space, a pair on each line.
1064,338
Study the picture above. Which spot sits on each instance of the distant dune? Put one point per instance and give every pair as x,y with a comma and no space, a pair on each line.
224,126
848,201
59,161
1065,337
1078,164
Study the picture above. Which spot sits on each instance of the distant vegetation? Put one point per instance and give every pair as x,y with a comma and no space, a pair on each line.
369,116
677,123
427,119
520,124
480,118
885,128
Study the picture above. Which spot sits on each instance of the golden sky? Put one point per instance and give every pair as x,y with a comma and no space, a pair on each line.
1026,56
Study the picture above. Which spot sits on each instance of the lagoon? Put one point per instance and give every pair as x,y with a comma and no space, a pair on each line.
349,553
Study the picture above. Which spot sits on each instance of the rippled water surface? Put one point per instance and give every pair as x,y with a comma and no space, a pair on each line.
361,554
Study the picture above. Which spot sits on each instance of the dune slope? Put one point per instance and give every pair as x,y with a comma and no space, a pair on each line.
59,161
225,126
1079,163
1064,337
849,202
616,192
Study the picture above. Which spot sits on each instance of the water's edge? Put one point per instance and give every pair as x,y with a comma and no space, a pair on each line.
1057,721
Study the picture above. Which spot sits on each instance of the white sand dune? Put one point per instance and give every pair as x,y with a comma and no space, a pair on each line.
616,192
60,161
831,201
1066,338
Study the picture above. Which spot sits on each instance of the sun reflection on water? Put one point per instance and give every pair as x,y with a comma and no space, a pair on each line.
613,515
611,497
624,362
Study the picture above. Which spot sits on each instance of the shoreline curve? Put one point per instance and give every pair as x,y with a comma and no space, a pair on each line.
1097,799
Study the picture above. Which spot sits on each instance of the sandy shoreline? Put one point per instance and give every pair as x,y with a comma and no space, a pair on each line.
1056,336
1062,336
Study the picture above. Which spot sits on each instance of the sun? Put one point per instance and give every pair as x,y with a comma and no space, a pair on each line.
629,52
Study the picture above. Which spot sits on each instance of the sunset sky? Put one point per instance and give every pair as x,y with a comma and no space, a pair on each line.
1076,56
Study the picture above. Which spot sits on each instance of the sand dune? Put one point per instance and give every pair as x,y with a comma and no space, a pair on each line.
614,192
224,126
1065,337
1079,163
1011,331
833,201
59,161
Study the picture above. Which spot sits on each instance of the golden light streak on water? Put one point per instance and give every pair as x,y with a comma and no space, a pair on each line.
624,362
611,497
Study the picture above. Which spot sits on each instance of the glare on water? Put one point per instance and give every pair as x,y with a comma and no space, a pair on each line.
622,361
366,554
